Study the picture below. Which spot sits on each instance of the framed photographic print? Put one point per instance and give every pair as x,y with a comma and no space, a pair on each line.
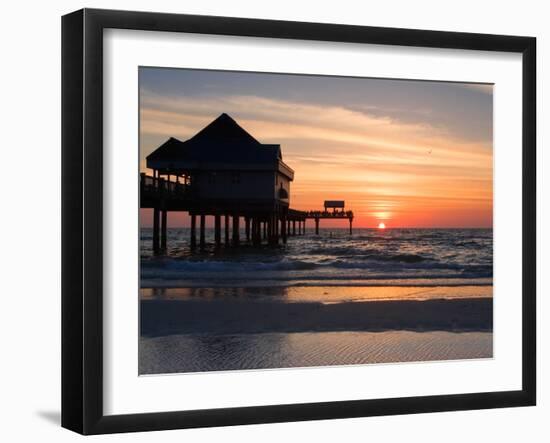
269,221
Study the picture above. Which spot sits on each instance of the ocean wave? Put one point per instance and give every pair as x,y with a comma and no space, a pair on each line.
405,258
394,254
342,252
242,270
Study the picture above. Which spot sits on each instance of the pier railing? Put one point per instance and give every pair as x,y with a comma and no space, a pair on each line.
329,214
294,214
154,186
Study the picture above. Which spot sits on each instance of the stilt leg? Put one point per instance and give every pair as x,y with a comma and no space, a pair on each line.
193,231
226,230
156,242
276,228
235,230
202,240
217,230
163,237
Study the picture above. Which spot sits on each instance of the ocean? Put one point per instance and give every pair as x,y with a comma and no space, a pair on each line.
370,257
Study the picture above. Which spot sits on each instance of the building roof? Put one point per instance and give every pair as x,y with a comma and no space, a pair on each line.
222,141
334,204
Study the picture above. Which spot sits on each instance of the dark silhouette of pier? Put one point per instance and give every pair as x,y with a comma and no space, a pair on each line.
225,173
261,224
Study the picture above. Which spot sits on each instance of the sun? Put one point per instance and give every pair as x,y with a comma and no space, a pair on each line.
381,226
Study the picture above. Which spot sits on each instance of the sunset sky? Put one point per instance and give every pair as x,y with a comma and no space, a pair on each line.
405,153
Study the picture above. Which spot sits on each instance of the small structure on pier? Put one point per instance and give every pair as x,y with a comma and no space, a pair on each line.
222,171
338,212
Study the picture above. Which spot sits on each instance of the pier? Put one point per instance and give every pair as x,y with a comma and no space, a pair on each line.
262,225
334,209
225,173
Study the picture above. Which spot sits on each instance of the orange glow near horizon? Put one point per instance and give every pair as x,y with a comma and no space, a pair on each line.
416,174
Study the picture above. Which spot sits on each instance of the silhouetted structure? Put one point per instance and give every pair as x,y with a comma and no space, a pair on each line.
337,212
222,171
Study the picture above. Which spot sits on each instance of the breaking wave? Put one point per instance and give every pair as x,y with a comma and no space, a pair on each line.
395,254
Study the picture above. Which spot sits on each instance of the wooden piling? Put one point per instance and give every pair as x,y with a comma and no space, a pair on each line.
217,230
259,224
350,225
226,229
156,243
202,242
275,229
256,234
316,226
236,230
293,227
283,228
193,231
163,231
247,228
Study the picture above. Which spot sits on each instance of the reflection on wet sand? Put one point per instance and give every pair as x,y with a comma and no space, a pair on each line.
318,294
200,352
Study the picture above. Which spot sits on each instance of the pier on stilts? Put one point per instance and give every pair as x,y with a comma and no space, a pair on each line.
271,226
226,174
333,210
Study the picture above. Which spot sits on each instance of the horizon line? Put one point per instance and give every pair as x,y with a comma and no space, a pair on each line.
360,227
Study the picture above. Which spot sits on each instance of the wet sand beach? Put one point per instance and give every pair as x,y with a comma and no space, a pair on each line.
206,352
219,329
222,316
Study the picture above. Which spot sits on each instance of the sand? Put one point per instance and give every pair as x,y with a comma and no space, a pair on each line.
220,316
322,294
218,329
199,352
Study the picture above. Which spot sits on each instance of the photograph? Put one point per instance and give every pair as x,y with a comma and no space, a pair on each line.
294,220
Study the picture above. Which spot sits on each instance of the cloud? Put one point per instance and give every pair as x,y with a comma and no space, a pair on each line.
486,88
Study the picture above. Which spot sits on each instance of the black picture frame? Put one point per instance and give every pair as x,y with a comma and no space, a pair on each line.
82,218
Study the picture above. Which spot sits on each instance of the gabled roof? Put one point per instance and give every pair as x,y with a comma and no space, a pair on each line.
224,129
222,141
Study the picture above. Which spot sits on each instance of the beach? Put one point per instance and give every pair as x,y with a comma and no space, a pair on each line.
226,315
204,352
220,329
379,297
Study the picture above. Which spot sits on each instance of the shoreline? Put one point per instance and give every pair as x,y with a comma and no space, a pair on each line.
325,294
315,282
